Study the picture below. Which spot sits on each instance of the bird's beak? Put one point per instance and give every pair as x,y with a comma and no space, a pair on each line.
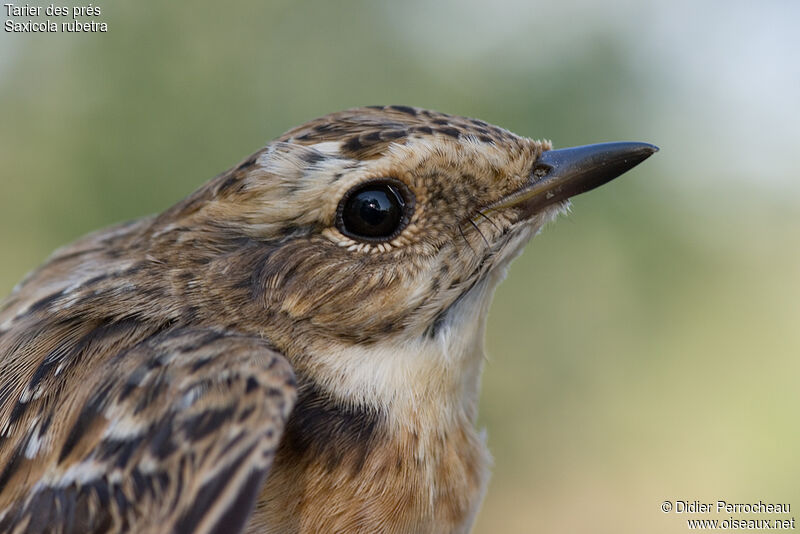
560,174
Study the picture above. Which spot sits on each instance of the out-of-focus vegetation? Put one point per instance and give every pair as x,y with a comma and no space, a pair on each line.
645,348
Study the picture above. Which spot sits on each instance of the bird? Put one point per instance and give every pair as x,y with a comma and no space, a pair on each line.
295,347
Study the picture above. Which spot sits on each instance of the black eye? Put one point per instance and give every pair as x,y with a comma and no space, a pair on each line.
375,211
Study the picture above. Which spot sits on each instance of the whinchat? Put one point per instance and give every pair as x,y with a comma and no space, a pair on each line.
296,347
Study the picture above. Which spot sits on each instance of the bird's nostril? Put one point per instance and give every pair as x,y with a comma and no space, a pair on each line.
540,171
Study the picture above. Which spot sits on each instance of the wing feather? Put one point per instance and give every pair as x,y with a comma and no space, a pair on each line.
176,434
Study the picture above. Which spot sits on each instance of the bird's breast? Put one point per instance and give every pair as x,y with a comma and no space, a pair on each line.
354,476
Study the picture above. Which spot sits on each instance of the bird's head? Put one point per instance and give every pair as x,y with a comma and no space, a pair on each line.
367,244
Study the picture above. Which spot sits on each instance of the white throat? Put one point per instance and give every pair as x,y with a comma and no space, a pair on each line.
429,381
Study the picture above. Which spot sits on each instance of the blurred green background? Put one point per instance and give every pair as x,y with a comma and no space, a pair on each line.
644,348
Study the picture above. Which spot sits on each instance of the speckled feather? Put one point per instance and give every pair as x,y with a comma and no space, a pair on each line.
148,372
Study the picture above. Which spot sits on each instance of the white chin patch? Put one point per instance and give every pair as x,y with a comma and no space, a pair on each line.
524,233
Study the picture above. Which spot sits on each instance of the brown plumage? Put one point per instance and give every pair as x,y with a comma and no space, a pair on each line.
279,352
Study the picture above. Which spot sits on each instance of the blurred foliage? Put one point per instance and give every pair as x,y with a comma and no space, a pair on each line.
645,348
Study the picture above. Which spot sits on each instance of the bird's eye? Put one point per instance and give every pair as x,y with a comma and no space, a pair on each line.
375,211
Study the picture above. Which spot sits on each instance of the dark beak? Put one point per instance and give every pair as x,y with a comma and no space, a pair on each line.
560,174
